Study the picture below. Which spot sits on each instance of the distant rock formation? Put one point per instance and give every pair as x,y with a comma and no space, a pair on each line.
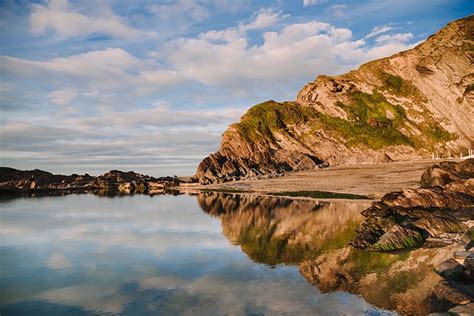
13,181
410,105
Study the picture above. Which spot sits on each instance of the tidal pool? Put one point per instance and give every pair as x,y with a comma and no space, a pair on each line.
211,254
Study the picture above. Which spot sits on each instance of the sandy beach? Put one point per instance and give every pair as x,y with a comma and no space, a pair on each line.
372,180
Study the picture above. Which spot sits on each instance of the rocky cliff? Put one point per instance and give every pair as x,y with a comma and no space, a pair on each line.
409,105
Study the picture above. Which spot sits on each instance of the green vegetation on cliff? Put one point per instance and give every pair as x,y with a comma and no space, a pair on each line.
263,119
372,120
399,87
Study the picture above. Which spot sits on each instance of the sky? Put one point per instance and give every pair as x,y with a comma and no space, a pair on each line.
89,86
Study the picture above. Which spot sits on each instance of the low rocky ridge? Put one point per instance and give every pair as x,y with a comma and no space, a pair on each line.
410,105
440,211
13,181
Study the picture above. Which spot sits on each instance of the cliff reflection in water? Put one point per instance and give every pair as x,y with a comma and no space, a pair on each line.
314,235
275,230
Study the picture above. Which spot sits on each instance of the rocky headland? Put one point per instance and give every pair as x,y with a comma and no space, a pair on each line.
28,182
411,105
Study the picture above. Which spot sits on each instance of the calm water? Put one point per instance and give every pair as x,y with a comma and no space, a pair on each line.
212,254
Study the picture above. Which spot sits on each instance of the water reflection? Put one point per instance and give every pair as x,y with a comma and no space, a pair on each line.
279,230
314,235
140,255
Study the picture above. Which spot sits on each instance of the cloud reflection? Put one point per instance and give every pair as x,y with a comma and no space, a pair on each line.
139,255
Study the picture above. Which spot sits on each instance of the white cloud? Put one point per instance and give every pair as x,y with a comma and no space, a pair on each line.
263,19
379,30
225,57
189,8
57,16
394,38
337,10
63,96
146,140
111,69
308,3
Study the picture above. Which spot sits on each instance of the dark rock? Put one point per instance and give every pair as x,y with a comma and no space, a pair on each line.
450,269
446,297
463,254
469,269
14,181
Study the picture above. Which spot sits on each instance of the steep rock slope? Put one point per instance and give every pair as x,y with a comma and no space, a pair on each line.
409,105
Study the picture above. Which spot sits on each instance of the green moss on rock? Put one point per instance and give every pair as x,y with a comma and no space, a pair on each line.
400,87
373,121
262,120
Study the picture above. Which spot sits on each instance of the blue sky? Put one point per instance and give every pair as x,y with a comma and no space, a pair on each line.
150,86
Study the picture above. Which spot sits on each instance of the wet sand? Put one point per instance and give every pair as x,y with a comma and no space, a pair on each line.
370,180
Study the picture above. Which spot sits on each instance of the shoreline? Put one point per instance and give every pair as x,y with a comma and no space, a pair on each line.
369,180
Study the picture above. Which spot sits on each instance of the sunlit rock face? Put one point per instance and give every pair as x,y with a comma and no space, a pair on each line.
406,106
278,230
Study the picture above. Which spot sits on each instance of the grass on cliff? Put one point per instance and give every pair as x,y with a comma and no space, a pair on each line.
400,87
373,121
263,119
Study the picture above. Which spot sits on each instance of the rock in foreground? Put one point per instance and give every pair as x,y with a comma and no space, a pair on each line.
442,209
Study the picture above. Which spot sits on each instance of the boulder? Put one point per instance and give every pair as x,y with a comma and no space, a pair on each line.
450,269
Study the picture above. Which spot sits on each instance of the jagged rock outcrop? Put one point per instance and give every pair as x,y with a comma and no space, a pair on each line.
13,181
408,218
409,105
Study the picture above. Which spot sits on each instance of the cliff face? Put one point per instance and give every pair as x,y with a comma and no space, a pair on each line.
409,105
